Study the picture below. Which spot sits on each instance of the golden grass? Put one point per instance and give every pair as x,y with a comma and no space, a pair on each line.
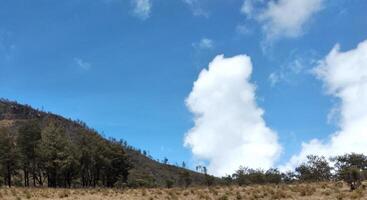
6,123
313,191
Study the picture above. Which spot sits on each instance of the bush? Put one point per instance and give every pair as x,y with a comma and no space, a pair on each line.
138,183
185,178
169,183
353,176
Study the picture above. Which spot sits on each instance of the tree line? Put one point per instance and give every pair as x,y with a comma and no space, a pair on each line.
50,156
351,168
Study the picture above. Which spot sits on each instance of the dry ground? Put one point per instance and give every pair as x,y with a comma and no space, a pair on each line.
322,191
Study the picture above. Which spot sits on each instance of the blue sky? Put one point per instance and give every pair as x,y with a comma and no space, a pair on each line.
126,67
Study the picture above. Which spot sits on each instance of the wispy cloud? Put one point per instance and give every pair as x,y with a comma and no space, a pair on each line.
289,72
196,7
7,46
142,8
243,29
229,125
82,64
275,78
204,43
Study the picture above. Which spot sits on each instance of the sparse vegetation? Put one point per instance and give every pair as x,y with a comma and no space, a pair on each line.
307,191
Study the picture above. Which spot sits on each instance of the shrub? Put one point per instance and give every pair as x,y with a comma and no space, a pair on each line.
138,183
169,183
224,197
353,177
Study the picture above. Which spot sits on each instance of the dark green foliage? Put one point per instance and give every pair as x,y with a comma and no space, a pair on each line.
344,162
353,159
273,176
59,156
351,168
9,156
247,176
29,139
353,176
227,180
314,169
185,179
169,183
116,166
209,180
54,157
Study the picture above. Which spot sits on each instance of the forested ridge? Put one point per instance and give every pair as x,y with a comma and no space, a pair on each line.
39,148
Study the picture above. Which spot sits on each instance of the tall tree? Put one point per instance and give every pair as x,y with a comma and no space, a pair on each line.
8,156
118,166
314,169
347,161
58,155
28,140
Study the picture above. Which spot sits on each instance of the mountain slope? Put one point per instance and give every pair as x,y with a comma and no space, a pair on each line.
144,172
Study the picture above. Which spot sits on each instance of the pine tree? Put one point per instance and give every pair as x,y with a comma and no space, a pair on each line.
29,138
8,156
58,155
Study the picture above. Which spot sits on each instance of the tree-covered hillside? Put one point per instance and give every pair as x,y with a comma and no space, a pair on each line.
39,148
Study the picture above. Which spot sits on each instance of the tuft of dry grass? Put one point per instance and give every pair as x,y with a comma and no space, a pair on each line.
311,191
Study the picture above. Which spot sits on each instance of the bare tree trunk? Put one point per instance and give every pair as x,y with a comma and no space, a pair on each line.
9,175
26,176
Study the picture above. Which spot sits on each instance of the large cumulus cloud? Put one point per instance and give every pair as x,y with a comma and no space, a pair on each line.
229,127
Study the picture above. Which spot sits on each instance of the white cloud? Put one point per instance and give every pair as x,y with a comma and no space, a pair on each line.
82,64
345,77
283,18
7,47
142,8
287,73
229,127
243,29
196,8
204,43
274,78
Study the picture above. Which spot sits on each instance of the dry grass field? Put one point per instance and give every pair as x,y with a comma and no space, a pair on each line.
321,191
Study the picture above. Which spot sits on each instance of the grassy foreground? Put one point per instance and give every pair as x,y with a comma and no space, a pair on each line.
312,191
